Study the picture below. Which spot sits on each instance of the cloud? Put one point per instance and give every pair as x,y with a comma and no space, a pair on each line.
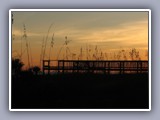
20,33
129,33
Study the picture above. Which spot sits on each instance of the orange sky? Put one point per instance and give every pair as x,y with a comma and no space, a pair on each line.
106,32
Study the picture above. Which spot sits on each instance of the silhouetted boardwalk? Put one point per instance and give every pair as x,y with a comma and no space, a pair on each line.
94,66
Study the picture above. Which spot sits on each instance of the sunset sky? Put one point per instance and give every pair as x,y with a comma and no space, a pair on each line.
108,32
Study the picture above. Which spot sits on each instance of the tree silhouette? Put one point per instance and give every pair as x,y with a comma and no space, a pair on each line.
16,66
36,69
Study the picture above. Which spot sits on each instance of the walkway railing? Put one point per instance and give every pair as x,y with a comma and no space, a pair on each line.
93,66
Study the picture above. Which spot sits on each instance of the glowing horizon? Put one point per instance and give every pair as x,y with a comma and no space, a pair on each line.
110,32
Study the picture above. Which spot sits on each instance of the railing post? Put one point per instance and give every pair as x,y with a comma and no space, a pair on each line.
123,66
43,63
141,66
63,67
77,67
120,68
58,67
48,67
108,67
104,67
137,66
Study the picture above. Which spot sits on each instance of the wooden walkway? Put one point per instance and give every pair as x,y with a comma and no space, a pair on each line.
93,66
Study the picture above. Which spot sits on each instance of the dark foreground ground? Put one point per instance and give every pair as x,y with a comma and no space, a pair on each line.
81,92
